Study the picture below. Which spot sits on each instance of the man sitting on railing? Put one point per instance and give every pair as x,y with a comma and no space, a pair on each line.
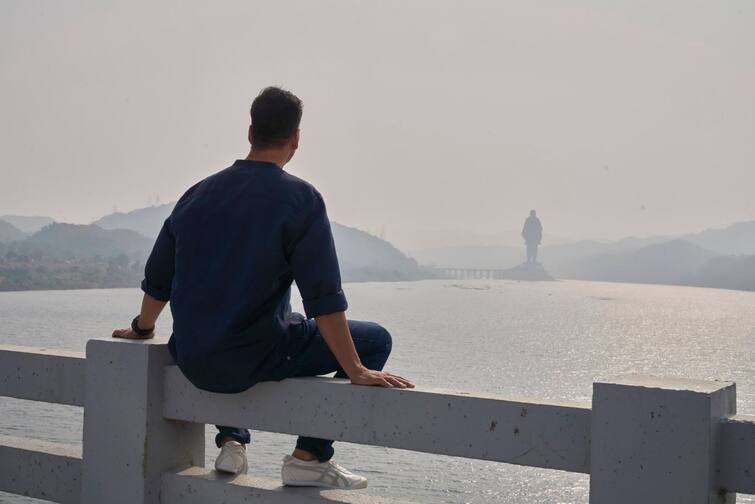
226,258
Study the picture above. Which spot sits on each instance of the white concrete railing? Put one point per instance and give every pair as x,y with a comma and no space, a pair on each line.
645,440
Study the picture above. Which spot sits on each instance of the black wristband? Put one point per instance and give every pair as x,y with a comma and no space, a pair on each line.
137,330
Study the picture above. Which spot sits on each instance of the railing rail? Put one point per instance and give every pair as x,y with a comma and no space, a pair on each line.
42,374
642,440
34,468
553,436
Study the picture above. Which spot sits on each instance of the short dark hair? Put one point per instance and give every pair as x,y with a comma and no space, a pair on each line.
276,114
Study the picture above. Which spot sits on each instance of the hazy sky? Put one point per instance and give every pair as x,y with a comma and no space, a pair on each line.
610,118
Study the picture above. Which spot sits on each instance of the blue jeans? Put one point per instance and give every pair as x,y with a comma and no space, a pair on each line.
314,358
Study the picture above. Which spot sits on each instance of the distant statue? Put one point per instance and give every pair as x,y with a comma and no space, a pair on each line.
533,235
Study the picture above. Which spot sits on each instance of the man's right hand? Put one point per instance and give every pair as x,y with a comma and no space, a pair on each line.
129,333
366,376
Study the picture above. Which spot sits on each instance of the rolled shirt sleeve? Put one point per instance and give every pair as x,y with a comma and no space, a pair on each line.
158,272
315,265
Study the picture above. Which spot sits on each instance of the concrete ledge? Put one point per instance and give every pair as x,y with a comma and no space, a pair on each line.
197,485
555,436
737,445
649,382
40,470
40,374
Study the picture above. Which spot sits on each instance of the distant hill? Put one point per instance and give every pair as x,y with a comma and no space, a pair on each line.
76,241
737,239
9,232
362,256
672,262
27,224
70,256
146,221
727,272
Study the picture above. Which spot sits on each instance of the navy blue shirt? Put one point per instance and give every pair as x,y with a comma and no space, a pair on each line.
226,258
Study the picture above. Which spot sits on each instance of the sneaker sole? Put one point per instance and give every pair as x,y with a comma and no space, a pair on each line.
320,484
243,469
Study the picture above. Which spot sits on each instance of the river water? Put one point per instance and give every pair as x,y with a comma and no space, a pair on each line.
545,341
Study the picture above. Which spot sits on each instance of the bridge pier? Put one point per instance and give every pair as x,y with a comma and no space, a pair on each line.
128,444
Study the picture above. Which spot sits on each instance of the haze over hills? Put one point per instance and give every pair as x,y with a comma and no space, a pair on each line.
737,239
727,272
9,232
145,221
557,256
674,262
671,262
27,224
715,257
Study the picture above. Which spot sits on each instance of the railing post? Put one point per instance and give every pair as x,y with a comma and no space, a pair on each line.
127,443
654,440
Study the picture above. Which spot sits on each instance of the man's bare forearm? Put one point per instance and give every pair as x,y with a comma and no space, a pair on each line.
335,330
151,309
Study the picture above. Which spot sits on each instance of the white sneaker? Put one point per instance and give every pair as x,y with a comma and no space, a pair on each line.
328,474
232,458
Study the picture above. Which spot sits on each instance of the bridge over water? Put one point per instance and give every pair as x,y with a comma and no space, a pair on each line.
470,273
642,439
525,271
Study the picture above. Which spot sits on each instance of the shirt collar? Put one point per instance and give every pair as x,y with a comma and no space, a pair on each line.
256,164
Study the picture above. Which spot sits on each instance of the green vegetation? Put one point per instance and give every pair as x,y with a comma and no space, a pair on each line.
22,272
68,256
